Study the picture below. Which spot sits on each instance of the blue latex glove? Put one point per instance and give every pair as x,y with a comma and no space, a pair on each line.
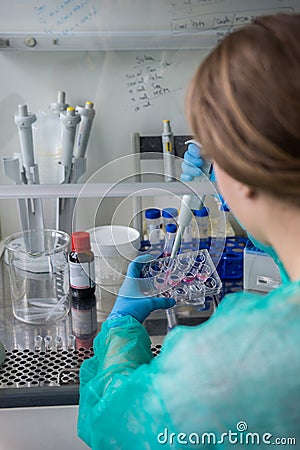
192,163
191,166
131,301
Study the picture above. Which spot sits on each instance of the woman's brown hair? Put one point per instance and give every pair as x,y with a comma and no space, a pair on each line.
243,105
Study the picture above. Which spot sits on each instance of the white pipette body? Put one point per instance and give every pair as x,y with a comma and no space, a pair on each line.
70,120
188,203
168,151
87,115
24,121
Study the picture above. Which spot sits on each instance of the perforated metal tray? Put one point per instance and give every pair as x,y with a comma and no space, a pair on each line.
27,368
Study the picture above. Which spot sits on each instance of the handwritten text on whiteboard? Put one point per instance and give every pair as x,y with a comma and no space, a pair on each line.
147,81
66,17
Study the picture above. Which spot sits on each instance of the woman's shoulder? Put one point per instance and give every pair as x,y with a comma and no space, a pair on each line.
286,294
245,314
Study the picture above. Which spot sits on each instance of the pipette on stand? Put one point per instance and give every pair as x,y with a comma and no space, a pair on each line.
168,151
87,115
77,163
29,173
70,120
61,104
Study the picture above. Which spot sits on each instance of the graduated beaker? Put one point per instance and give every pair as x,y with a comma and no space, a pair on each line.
39,275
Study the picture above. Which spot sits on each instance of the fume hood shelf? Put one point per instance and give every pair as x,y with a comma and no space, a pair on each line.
97,190
105,41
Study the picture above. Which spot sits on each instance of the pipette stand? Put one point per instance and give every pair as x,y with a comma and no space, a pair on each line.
30,210
65,206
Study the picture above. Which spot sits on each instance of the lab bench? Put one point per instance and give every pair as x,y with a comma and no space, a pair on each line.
49,376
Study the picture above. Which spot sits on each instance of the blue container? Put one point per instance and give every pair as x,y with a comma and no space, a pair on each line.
232,260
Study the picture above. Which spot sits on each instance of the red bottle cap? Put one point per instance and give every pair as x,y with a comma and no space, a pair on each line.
81,241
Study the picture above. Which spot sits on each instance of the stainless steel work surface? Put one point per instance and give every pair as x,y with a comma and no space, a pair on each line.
49,376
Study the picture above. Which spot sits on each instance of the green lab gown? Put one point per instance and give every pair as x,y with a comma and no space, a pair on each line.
237,371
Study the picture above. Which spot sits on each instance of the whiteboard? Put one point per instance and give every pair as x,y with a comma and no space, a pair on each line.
133,91
121,24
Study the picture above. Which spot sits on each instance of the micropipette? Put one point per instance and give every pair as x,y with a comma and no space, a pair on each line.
168,151
70,120
24,121
32,207
72,167
188,203
87,115
61,104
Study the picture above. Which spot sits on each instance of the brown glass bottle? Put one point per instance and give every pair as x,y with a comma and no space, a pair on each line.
82,268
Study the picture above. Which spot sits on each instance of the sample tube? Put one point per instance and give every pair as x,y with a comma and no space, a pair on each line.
38,341
58,343
201,234
152,216
71,343
48,343
171,229
169,215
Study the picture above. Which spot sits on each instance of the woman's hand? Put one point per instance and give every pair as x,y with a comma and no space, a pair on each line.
131,300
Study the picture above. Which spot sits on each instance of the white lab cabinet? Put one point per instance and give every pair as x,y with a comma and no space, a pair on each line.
40,428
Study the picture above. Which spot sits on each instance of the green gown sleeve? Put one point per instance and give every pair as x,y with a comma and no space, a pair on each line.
240,365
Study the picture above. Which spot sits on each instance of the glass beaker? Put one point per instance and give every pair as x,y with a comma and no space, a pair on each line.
39,278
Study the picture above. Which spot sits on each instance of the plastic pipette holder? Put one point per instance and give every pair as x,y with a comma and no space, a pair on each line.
188,278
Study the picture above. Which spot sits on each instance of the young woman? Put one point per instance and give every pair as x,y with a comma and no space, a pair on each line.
234,379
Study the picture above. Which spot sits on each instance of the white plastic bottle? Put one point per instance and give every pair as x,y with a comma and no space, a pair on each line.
201,230
47,135
169,215
152,216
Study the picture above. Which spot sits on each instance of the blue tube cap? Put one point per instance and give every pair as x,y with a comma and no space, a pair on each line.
224,207
152,213
169,213
171,228
203,212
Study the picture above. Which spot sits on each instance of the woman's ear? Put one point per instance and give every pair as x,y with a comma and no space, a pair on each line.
245,191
